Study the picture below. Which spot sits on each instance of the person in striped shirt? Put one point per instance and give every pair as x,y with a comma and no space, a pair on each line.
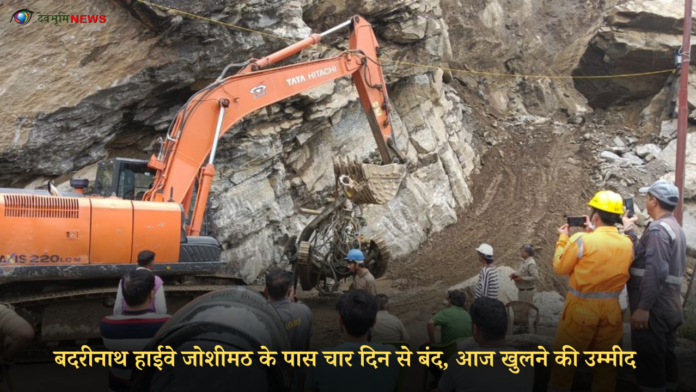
133,329
488,277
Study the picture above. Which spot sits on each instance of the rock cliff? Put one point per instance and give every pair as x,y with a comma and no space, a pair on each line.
74,95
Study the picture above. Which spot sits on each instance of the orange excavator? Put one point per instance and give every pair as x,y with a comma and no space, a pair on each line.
62,254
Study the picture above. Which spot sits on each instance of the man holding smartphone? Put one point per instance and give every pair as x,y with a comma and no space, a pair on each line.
654,290
597,262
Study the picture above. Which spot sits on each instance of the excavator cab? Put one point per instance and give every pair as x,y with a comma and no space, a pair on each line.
126,178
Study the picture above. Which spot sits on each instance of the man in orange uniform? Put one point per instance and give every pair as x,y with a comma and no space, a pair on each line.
597,262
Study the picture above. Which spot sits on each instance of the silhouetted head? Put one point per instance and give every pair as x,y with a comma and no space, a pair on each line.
146,259
489,320
357,311
137,288
278,284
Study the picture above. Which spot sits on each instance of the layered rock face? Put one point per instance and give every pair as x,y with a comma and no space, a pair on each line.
254,209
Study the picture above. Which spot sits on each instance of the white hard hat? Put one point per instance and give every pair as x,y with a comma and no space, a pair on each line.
485,250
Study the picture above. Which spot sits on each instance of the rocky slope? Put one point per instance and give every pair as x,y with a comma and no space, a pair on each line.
73,95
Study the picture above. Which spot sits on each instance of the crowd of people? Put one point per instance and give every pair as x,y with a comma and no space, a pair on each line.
600,261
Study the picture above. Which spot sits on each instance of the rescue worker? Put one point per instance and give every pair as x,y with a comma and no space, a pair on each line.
654,289
296,316
527,275
363,279
597,262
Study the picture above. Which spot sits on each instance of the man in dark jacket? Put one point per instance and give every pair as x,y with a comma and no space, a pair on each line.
296,316
654,289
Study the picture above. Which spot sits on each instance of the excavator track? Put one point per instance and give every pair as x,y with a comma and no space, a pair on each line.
71,317
308,278
49,298
381,263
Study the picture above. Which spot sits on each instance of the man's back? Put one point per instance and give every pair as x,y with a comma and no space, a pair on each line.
298,322
455,323
488,282
597,261
465,378
365,281
666,241
328,378
158,305
130,331
388,328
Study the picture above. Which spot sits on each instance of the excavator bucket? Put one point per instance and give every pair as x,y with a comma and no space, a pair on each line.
366,183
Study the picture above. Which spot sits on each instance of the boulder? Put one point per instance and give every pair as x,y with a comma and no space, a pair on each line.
619,150
550,304
640,36
668,129
659,15
407,31
634,160
689,226
644,150
610,156
669,156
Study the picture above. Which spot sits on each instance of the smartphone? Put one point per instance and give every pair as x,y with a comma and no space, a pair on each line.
576,221
629,207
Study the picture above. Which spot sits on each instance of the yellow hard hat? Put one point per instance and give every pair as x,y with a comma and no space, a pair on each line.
607,201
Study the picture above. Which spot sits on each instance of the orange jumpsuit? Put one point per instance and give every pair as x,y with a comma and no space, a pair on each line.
598,265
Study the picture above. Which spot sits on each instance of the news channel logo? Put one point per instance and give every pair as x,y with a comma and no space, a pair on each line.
22,16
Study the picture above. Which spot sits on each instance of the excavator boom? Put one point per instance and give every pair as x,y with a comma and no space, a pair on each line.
61,260
185,164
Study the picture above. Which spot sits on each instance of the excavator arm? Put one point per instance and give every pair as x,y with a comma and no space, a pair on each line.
185,164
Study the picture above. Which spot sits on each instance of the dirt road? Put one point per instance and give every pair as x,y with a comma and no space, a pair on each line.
524,188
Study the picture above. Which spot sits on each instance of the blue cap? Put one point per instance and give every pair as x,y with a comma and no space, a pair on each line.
355,255
663,190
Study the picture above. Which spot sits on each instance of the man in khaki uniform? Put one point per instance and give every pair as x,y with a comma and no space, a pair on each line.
527,275
388,328
363,279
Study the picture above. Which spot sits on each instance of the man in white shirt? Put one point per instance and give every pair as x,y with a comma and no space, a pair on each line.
146,261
